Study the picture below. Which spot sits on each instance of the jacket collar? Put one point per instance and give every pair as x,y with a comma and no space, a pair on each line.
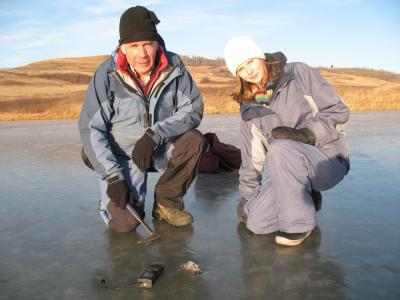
161,63
284,78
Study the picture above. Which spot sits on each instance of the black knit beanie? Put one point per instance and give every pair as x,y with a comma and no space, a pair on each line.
138,24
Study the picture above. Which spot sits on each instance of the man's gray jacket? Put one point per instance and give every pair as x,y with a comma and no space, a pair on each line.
116,113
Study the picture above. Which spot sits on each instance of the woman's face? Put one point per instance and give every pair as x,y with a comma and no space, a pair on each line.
252,70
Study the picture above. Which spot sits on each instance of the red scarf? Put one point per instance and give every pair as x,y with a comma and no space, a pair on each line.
162,63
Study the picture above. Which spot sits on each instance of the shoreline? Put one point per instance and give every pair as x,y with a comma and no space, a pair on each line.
205,115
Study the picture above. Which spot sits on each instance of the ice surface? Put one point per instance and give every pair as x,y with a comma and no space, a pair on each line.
54,244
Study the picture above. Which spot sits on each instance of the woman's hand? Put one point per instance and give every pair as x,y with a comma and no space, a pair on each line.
302,135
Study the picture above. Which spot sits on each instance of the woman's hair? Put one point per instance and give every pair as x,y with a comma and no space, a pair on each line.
243,89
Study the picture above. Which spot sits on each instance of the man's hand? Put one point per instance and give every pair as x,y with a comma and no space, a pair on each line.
119,193
143,150
303,135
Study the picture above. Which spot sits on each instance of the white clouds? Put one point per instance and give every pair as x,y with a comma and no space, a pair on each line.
92,33
209,31
106,7
112,6
64,28
83,31
227,24
310,30
196,29
340,2
13,37
79,38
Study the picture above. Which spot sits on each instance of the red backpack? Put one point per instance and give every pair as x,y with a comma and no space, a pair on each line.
219,157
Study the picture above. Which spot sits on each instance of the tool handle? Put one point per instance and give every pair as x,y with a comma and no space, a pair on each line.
135,214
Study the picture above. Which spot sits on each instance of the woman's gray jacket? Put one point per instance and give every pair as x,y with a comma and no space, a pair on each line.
302,98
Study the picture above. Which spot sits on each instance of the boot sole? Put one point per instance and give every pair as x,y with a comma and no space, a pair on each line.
158,217
280,240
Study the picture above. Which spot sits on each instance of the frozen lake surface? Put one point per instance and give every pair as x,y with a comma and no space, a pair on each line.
54,245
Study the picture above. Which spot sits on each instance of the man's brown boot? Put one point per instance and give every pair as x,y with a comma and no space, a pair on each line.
173,216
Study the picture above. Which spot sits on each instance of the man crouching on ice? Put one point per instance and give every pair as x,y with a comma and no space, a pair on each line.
139,114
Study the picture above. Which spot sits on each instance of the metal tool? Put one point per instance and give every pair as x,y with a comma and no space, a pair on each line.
153,236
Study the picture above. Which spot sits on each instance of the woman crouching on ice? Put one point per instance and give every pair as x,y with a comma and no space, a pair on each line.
291,121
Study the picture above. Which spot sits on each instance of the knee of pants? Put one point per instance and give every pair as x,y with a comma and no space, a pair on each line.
192,138
283,153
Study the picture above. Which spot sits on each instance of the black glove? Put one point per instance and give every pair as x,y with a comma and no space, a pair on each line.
143,150
303,135
118,191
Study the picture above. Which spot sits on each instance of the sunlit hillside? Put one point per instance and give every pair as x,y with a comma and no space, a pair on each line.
54,89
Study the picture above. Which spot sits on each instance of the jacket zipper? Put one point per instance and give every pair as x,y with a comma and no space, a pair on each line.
160,83
281,88
127,86
146,115
156,89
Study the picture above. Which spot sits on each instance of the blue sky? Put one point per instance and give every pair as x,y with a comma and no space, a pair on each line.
343,33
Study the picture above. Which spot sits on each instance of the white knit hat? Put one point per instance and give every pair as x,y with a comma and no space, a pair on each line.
239,49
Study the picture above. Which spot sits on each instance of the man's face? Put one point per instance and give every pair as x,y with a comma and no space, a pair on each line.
141,55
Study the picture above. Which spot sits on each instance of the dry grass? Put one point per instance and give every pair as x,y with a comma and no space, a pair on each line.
377,74
67,107
54,89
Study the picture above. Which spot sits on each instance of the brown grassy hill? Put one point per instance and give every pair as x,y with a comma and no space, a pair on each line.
54,89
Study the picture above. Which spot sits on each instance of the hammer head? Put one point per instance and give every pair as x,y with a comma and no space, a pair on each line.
154,236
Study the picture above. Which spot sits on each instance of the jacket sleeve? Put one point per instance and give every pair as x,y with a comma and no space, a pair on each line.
328,109
94,124
188,113
255,136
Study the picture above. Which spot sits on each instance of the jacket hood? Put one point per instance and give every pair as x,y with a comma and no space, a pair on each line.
275,58
276,62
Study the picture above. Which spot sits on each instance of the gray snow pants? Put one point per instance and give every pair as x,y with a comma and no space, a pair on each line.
284,201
